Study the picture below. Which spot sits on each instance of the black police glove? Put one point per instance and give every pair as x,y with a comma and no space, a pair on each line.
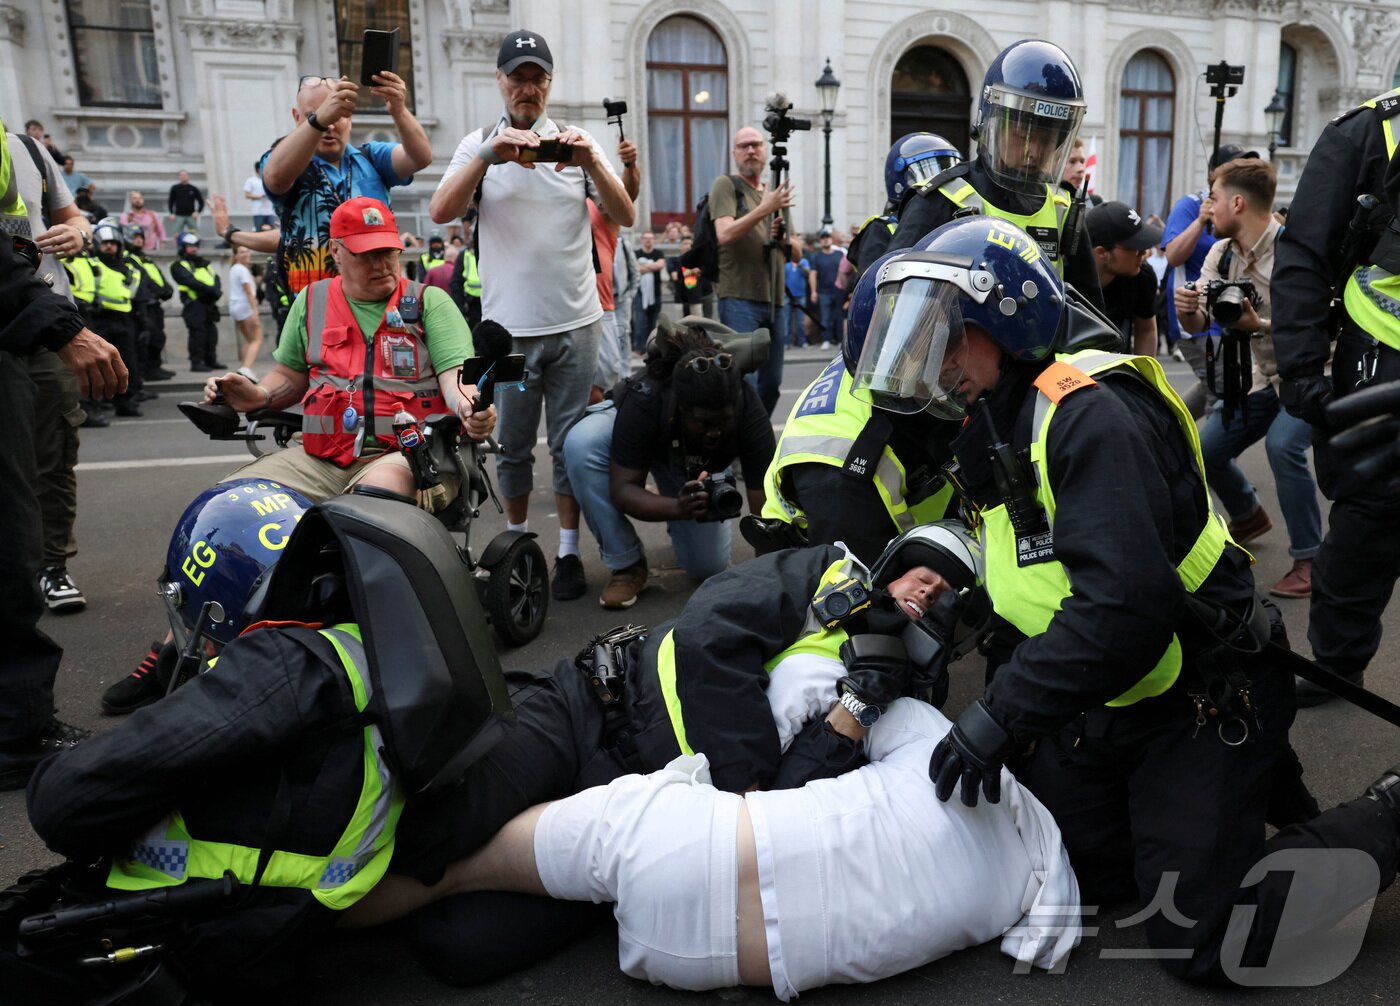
1307,398
877,669
972,751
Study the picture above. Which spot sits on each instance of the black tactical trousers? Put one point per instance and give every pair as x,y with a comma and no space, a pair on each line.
1151,807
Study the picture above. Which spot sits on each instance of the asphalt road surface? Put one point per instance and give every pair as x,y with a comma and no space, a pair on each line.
137,476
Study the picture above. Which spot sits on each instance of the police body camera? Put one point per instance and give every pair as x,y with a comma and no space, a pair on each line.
615,110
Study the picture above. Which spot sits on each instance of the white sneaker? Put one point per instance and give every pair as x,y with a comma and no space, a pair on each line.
248,373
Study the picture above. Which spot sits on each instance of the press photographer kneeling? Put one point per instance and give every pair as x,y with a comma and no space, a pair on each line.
685,422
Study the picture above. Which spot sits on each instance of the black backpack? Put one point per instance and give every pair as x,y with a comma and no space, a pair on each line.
704,251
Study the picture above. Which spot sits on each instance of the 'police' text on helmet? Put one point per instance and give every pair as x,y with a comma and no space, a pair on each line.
1031,107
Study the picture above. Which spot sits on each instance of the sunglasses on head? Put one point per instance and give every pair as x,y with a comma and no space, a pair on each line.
702,364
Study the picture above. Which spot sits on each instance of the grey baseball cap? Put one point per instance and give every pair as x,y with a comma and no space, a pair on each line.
521,47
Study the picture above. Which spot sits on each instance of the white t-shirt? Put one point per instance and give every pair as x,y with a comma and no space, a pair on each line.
238,274
536,241
257,196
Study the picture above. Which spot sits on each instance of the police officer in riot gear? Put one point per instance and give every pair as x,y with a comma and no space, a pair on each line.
1031,107
1148,704
151,295
200,289
913,161
1331,254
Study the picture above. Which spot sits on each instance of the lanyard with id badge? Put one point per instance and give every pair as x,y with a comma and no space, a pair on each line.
399,352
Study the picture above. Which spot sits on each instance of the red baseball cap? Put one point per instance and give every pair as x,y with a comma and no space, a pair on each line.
364,224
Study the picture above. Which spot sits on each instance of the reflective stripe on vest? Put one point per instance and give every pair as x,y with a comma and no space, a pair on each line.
14,215
822,429
337,375
204,274
170,855
114,289
814,639
471,278
1029,596
1051,214
1372,295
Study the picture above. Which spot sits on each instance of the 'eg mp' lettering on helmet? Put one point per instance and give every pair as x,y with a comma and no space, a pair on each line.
226,538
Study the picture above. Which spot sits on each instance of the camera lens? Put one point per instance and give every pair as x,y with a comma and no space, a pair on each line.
838,606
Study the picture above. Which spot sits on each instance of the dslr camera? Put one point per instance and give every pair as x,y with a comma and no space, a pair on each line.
778,123
1225,300
726,501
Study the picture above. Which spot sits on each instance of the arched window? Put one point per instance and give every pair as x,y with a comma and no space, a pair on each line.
1147,110
687,116
352,17
929,94
114,49
1287,75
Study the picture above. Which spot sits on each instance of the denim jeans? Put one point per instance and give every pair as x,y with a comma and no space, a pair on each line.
829,302
1286,439
745,316
797,322
701,549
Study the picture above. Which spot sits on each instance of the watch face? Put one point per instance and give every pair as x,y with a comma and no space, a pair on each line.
868,716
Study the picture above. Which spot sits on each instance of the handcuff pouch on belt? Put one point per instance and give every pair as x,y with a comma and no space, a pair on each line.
1214,672
605,663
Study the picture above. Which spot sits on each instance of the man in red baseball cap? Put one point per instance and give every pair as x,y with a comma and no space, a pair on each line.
418,340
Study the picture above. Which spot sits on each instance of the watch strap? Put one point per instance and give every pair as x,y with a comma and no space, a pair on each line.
864,713
315,123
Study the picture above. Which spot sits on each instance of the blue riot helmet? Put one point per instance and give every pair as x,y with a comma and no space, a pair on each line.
914,158
133,231
860,310
188,242
222,543
979,271
1031,108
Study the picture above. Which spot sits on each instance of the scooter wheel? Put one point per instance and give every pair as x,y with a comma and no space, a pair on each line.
517,593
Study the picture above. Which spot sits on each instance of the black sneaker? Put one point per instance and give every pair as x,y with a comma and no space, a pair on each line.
95,418
158,374
18,764
142,686
59,590
568,584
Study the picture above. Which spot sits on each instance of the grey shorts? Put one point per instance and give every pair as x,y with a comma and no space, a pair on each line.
561,372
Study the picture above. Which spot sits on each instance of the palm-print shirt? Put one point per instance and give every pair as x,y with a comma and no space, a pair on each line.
305,209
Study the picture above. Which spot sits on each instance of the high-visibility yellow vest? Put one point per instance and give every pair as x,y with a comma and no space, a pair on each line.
14,215
815,638
429,262
203,274
1372,294
823,428
1044,223
116,288
169,855
1029,596
81,279
471,279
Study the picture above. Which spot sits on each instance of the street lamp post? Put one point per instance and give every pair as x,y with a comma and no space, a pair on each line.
1273,120
827,86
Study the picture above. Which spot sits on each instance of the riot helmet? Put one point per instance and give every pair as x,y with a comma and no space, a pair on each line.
106,231
953,624
979,271
915,158
1031,107
133,231
188,241
226,538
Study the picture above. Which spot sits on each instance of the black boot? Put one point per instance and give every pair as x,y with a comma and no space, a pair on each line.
1310,694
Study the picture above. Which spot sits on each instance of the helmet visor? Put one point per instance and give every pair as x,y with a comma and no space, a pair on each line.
911,361
1026,141
930,166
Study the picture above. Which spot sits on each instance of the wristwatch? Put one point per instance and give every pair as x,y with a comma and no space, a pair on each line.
315,123
229,232
865,714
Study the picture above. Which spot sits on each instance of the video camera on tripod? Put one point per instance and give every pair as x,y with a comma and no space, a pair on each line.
778,124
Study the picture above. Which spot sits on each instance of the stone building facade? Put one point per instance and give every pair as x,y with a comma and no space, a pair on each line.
138,89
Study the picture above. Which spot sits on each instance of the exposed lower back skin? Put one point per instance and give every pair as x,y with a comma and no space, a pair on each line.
753,937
